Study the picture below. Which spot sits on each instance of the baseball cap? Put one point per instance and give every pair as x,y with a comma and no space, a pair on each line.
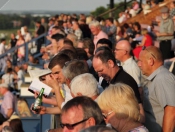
164,9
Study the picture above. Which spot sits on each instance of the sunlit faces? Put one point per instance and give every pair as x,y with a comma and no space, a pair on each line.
143,63
102,69
95,30
73,116
57,73
119,52
164,15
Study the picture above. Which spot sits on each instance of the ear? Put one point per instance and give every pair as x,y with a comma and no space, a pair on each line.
151,61
91,121
110,63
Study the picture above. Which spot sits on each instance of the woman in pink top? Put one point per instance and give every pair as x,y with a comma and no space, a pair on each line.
21,50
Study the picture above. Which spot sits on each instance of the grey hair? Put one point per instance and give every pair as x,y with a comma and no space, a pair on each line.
75,68
94,23
87,85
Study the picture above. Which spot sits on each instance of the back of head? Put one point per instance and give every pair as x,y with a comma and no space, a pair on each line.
88,43
59,59
74,68
81,54
98,128
16,125
72,55
57,36
104,54
126,105
105,42
90,108
87,85
155,53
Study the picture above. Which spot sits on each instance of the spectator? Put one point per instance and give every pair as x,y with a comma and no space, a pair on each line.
23,109
16,125
111,30
8,102
2,60
123,114
105,65
97,32
77,30
40,30
146,41
19,76
21,50
98,128
165,34
159,103
79,113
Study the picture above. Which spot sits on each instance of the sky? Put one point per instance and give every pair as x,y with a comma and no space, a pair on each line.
52,5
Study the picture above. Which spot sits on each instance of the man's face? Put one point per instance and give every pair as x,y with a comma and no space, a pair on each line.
102,69
94,30
80,45
143,63
164,16
2,90
57,73
54,42
72,116
119,52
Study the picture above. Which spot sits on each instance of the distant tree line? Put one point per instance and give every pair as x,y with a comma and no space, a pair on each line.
11,21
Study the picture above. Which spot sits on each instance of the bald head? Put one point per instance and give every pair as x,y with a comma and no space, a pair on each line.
154,52
122,50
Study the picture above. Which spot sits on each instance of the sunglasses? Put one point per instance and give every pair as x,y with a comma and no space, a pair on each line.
144,48
71,126
106,115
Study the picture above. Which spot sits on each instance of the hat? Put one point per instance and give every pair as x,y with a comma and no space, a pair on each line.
164,10
4,85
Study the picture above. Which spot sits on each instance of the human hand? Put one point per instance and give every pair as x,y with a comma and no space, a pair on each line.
52,82
41,110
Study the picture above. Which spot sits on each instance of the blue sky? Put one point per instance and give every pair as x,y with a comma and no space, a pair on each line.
54,5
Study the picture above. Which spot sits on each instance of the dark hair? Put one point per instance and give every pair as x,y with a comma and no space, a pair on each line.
137,24
38,22
3,39
88,43
72,55
105,41
59,59
90,108
110,19
9,70
105,54
68,42
16,125
126,25
57,36
74,68
81,54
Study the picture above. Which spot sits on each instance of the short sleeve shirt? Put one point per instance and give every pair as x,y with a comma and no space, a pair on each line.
161,89
123,77
7,103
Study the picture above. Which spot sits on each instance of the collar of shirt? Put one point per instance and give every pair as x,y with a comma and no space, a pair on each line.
128,61
153,75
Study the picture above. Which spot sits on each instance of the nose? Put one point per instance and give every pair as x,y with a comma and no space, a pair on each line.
65,129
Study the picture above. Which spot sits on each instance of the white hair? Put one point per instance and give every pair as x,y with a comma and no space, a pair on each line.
85,84
94,23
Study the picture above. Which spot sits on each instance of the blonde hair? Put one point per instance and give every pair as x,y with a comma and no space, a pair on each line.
24,109
121,99
144,31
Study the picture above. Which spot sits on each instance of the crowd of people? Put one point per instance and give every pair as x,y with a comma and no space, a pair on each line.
104,77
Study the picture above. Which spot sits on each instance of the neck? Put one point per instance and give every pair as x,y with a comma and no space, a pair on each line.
124,125
125,58
114,71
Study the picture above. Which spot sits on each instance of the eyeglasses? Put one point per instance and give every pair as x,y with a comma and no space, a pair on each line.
106,115
144,48
71,126
120,49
